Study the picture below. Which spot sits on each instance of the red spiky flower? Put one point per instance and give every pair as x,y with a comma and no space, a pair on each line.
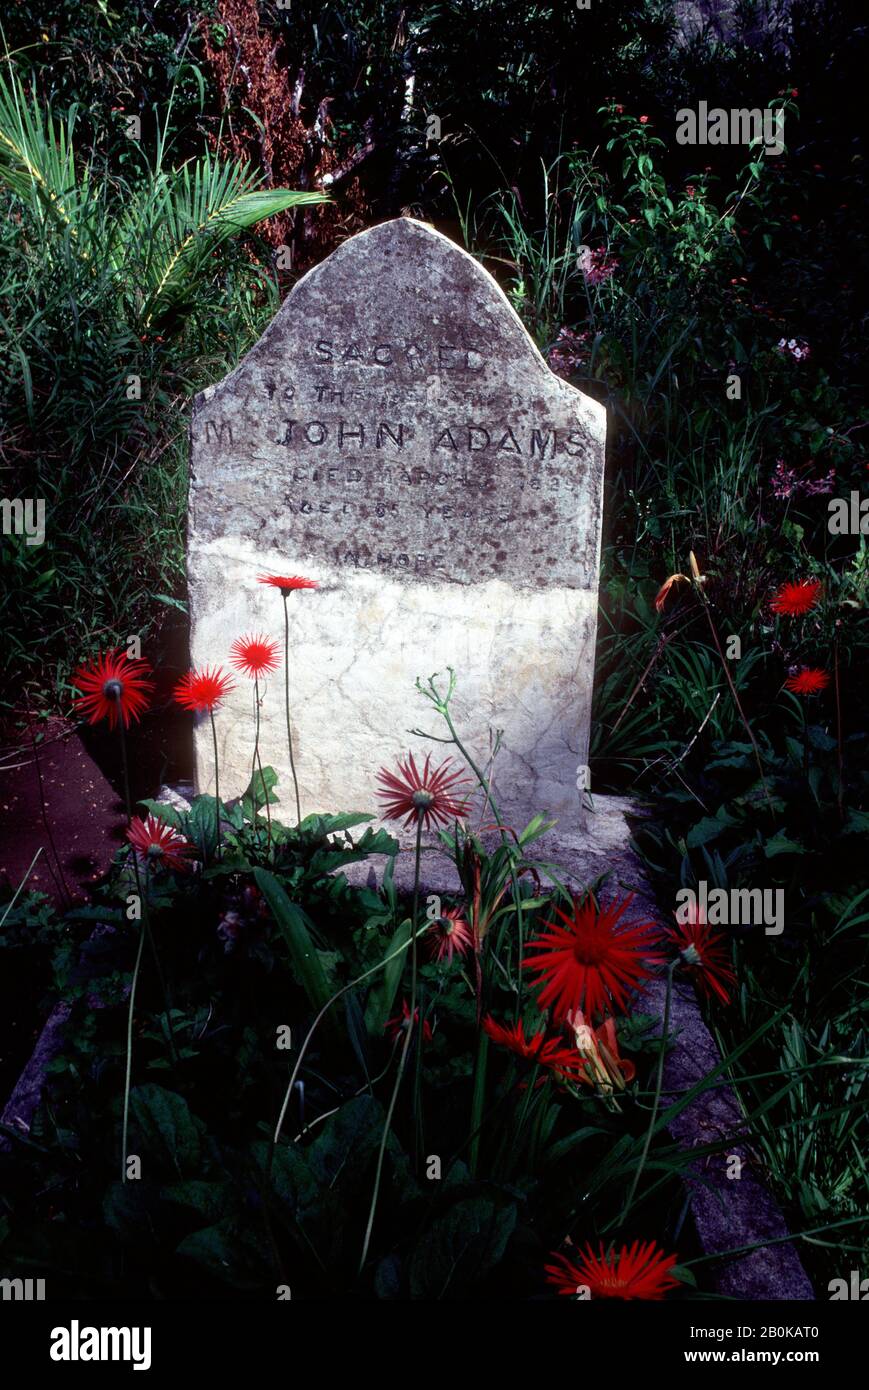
158,844
113,685
427,797
588,961
643,1271
796,597
394,1027
546,1052
288,583
255,656
203,690
449,935
809,681
704,955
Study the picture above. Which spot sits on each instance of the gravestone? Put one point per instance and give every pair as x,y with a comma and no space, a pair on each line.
396,436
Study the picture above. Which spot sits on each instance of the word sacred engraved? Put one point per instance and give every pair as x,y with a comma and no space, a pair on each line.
445,357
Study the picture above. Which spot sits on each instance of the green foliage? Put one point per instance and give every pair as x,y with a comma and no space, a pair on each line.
123,260
114,288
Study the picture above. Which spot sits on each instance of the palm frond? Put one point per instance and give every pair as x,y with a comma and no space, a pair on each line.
185,215
36,154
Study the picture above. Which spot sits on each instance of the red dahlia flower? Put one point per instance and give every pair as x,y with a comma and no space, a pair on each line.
159,844
704,956
286,583
255,656
809,681
113,684
546,1052
796,598
396,1026
643,1271
449,935
589,962
203,690
426,797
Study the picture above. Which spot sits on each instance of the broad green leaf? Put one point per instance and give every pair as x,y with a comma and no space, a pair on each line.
165,1129
780,844
212,1200
293,924
709,828
460,1248
341,1154
381,998
166,813
233,1250
318,826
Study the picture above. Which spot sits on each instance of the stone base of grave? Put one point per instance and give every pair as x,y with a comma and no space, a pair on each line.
600,847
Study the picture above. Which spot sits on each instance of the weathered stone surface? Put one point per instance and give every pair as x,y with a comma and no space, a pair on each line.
396,436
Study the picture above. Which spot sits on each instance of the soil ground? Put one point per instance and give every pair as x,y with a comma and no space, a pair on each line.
82,785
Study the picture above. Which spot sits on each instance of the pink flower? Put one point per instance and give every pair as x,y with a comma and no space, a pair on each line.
797,348
596,265
784,481
569,352
449,935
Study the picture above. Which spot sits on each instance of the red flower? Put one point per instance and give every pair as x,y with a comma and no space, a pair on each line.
395,1026
111,685
255,656
704,955
809,681
661,595
159,844
796,597
590,962
286,583
546,1052
644,120
643,1271
203,690
427,797
449,935
598,1048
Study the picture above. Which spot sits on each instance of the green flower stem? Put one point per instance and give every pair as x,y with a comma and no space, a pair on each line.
404,1051
128,800
219,852
414,969
257,762
736,700
129,1067
478,1098
443,708
381,965
167,1002
659,1081
287,702
143,896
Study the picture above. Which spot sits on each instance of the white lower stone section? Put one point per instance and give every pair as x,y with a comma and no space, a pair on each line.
357,645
